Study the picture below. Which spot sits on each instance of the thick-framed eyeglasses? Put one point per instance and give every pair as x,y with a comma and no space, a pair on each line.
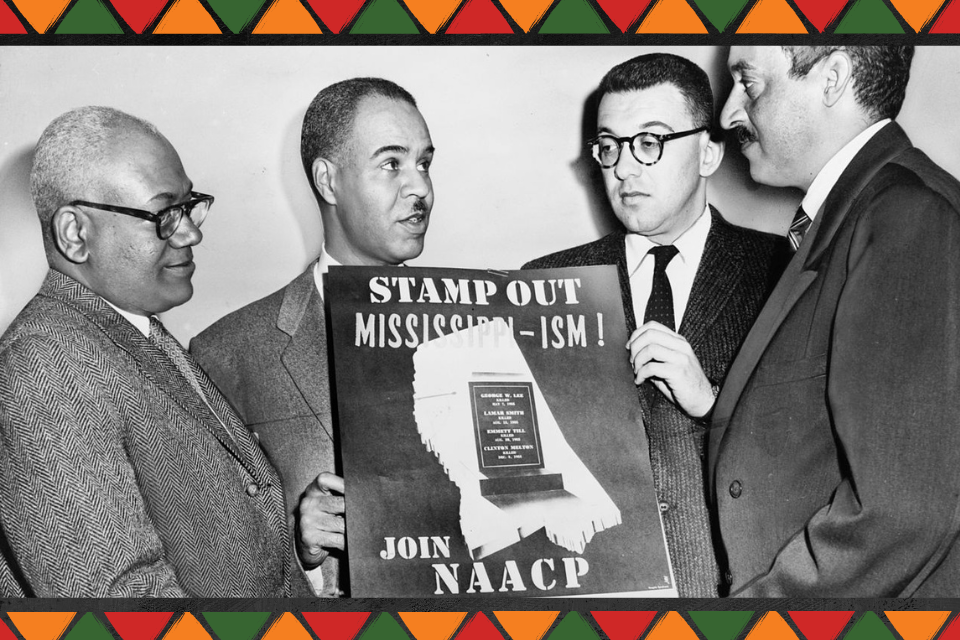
167,219
646,147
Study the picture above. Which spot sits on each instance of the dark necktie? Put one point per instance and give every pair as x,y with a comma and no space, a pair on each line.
660,303
169,345
801,223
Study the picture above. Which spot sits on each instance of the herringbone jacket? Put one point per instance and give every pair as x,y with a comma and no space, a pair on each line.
117,479
738,269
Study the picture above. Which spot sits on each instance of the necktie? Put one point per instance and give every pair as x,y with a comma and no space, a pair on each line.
169,345
660,303
801,223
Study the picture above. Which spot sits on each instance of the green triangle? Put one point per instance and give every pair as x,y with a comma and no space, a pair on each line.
385,627
573,627
573,16
720,625
243,625
89,16
384,16
869,627
88,627
236,14
720,12
869,16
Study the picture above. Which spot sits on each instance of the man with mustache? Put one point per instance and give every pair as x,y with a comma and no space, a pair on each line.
690,280
125,473
832,458
367,152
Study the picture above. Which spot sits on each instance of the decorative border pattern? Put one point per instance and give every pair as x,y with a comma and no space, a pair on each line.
480,17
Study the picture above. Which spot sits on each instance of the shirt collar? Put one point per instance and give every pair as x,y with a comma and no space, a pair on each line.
689,244
823,184
142,323
322,266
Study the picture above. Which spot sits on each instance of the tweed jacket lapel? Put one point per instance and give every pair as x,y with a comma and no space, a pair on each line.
802,270
302,317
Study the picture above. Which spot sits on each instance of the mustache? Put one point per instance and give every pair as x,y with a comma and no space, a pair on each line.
419,206
744,135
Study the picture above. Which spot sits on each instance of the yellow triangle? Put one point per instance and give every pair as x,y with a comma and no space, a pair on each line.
287,16
917,13
917,625
286,627
187,16
772,626
672,16
41,625
672,626
432,626
526,625
772,16
526,13
187,628
432,14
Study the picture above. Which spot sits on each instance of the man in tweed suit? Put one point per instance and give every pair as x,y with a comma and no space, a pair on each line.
655,149
366,151
124,471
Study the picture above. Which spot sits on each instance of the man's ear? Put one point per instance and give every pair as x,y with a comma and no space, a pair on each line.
325,179
71,228
711,155
837,76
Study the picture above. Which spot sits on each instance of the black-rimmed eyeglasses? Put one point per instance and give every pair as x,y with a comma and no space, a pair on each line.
646,147
167,219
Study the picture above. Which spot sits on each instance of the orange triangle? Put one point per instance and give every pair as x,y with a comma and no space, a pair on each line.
187,628
526,13
41,14
917,13
772,626
432,14
772,16
187,16
432,626
41,625
917,625
286,626
287,16
672,16
672,626
526,625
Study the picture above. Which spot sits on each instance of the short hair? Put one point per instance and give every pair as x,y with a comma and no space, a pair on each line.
880,74
329,119
67,150
654,69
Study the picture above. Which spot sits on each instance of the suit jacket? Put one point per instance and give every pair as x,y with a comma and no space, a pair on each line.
832,458
270,360
118,480
738,268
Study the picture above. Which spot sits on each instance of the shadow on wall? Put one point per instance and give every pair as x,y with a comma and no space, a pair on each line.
22,261
295,185
587,171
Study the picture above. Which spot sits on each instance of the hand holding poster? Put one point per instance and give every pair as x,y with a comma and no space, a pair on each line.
491,436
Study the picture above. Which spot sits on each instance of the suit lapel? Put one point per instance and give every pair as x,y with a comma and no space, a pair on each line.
302,317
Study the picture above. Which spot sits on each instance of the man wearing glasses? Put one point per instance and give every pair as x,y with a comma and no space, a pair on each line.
696,281
125,473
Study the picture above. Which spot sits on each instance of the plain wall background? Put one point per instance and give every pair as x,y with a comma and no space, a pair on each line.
510,176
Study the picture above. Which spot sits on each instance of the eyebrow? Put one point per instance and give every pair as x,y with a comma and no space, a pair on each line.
171,197
643,127
741,66
396,148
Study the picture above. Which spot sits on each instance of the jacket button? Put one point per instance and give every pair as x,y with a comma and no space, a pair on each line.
252,489
728,577
664,507
736,489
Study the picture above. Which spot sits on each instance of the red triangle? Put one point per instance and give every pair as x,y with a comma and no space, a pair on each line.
624,625
948,22
952,632
139,626
139,13
343,625
623,12
5,633
479,16
9,24
335,13
820,13
479,628
821,625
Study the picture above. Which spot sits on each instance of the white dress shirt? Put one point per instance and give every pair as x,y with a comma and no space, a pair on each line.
322,266
680,271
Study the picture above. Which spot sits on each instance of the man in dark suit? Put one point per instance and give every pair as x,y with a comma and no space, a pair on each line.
655,150
366,151
832,458
124,471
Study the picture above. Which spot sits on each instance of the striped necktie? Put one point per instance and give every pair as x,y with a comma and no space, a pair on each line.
801,223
